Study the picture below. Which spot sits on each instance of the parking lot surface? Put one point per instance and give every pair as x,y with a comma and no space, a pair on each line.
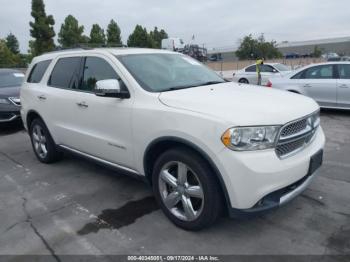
77,207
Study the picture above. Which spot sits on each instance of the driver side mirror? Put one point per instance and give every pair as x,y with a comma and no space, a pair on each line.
274,70
110,88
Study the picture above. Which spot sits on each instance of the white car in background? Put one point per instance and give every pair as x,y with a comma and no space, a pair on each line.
248,75
327,83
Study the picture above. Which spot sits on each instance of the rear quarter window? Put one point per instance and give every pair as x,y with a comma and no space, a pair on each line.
38,71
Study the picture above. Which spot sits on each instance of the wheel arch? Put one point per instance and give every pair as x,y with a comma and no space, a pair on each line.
159,145
293,91
31,115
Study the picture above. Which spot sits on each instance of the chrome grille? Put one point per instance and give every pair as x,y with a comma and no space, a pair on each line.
296,135
294,128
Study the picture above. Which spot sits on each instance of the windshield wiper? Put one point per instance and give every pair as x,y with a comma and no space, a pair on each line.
189,86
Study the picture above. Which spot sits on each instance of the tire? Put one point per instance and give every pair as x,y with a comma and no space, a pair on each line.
198,190
43,145
243,81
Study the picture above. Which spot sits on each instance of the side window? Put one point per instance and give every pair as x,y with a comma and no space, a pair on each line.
344,71
65,73
298,75
319,72
251,68
267,69
38,71
96,69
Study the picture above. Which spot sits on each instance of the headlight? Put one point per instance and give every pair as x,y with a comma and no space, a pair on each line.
250,138
4,101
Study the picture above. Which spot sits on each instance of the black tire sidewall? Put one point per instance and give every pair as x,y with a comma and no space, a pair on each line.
212,194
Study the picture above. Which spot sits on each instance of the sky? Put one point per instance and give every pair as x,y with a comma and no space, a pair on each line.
214,23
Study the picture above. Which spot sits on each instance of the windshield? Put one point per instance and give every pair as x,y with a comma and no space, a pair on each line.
8,79
165,72
281,67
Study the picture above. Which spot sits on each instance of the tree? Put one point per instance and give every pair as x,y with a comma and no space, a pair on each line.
251,48
140,38
7,58
12,43
41,29
158,36
113,34
317,52
97,36
71,34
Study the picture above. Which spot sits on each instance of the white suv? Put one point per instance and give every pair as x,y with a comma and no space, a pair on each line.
205,145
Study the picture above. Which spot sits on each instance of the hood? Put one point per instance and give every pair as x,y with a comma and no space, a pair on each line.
10,91
241,105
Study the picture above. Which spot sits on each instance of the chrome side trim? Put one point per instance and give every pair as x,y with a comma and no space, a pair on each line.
13,102
9,119
100,160
291,195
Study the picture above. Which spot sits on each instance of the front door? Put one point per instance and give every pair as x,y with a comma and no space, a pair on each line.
319,82
343,86
103,123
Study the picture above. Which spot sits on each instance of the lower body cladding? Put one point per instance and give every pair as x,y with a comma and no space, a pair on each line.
259,180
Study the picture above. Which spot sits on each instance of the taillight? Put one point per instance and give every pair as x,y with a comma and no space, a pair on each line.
269,84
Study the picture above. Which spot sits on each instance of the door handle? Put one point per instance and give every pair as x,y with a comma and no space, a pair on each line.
307,85
343,86
82,104
42,97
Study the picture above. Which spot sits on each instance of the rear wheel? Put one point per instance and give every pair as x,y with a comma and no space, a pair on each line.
186,189
243,81
42,142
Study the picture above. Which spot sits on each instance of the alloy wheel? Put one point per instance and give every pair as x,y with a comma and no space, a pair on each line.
39,141
181,191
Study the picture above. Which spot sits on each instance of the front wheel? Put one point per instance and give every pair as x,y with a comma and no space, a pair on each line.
186,189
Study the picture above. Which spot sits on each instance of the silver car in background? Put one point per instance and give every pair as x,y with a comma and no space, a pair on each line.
327,83
248,75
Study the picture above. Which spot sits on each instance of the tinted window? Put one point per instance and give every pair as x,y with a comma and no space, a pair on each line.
96,69
267,68
344,71
10,78
38,71
319,72
65,73
251,69
298,75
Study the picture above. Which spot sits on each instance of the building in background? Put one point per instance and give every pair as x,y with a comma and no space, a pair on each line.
340,45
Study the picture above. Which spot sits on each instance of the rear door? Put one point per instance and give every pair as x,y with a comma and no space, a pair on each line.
62,84
320,83
343,86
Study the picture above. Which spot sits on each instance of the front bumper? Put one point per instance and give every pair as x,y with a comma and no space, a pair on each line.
9,113
259,180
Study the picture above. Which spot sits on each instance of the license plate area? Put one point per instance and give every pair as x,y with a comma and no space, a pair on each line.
315,162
